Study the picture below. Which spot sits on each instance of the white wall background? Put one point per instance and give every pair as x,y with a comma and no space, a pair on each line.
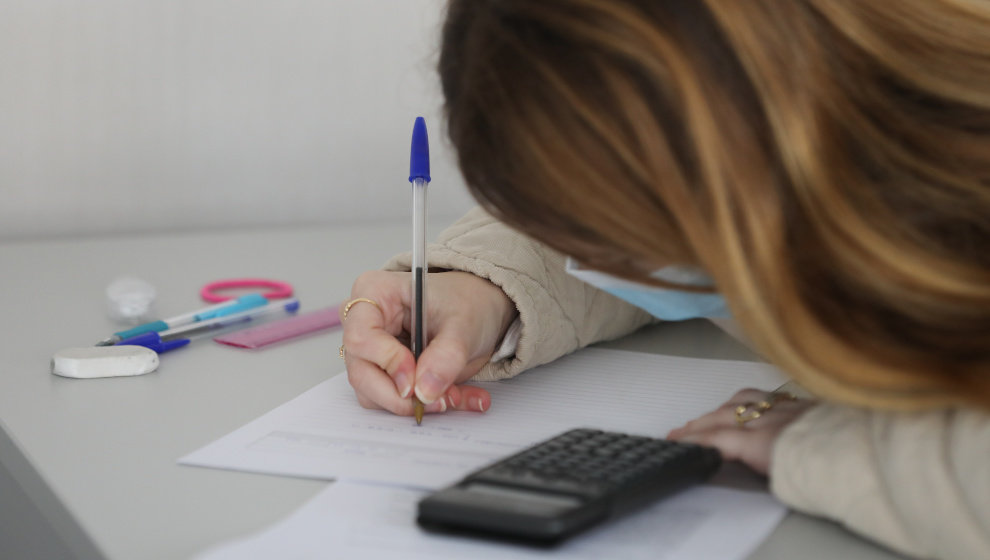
152,115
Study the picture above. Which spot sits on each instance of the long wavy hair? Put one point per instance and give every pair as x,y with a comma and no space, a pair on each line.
826,161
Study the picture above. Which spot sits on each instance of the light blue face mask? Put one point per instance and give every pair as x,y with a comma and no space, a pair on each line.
662,303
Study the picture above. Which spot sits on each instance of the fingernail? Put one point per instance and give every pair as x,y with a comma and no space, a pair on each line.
479,404
439,405
428,387
403,385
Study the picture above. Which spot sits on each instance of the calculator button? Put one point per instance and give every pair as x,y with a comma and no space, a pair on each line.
590,463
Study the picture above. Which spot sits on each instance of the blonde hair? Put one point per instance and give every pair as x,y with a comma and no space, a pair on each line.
826,161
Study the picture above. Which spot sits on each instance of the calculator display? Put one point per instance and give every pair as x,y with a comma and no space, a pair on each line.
524,499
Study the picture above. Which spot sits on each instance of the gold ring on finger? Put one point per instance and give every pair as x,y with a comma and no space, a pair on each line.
348,305
750,411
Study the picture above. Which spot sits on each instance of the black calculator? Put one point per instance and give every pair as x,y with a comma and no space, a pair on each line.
566,484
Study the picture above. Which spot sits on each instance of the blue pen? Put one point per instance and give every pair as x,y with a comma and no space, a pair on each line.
180,336
419,176
242,303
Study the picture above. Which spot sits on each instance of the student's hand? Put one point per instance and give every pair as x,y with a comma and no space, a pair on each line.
752,442
466,316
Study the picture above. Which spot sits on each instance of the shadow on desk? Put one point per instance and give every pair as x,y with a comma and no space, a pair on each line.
739,477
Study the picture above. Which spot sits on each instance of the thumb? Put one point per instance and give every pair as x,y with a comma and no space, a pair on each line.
439,366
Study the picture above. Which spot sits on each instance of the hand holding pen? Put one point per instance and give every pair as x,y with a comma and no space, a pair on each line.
464,329
466,324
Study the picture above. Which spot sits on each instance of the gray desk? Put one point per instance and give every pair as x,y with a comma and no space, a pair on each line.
87,467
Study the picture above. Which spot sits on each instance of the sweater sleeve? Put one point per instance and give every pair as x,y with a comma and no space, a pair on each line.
917,482
558,313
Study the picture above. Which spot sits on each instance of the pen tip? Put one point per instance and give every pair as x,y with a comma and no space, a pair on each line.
418,411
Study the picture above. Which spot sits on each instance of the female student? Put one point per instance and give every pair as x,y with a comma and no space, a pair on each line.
819,170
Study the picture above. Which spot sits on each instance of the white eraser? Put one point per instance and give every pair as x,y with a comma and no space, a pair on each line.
104,361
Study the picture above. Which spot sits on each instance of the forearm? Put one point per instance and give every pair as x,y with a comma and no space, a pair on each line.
558,313
916,482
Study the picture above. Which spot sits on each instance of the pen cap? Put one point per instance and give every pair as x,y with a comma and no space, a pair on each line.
419,156
153,341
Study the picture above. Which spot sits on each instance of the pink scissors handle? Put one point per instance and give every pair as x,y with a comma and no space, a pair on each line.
278,290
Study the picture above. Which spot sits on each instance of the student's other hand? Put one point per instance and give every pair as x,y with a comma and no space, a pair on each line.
466,316
752,441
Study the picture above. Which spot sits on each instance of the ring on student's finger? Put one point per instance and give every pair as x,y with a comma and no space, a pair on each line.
341,352
750,411
348,305
753,410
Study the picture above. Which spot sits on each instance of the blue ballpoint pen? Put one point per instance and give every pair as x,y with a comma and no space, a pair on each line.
242,303
419,176
180,336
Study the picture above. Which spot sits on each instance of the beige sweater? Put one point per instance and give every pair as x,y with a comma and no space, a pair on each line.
916,482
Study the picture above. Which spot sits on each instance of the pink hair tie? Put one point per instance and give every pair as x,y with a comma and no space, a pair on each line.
279,290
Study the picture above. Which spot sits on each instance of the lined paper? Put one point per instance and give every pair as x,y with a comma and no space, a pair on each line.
325,434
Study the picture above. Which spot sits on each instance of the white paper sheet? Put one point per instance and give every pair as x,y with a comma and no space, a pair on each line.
357,521
325,434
